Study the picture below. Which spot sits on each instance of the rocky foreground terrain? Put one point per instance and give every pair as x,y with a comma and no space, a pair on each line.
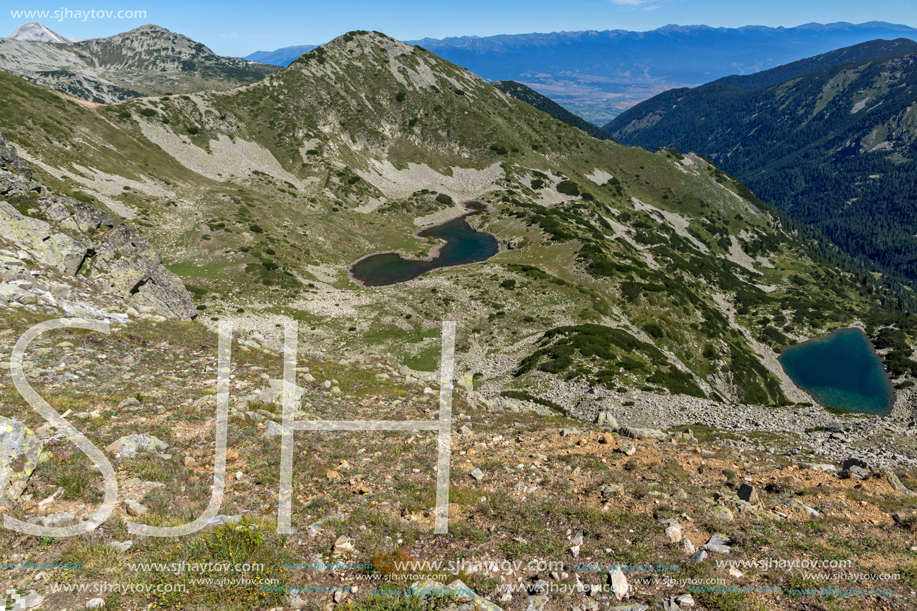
725,507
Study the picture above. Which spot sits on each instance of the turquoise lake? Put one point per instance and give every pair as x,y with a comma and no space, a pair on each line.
841,370
462,245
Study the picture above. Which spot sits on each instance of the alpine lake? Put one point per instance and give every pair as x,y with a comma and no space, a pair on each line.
462,244
841,370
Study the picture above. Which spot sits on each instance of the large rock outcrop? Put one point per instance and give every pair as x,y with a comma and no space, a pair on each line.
39,239
130,265
20,450
72,237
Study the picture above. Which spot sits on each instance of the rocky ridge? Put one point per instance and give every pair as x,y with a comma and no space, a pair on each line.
67,256
144,61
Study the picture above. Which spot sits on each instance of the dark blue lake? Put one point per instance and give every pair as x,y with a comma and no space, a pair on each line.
841,370
462,245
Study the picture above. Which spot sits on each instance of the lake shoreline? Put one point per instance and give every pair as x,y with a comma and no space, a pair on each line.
827,338
434,252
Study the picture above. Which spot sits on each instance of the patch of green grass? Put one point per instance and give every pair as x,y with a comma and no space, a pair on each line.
188,270
243,543
399,600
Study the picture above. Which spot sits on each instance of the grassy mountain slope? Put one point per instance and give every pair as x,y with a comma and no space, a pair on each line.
530,96
145,61
834,148
620,269
780,74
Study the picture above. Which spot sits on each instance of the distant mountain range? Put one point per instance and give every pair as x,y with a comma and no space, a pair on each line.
599,74
834,147
281,57
148,60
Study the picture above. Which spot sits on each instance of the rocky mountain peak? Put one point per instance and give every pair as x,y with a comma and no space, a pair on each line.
38,32
148,60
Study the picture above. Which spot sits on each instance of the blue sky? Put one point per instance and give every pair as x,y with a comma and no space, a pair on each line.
231,28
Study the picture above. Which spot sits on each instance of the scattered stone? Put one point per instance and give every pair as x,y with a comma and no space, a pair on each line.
538,603
121,546
699,556
130,445
611,490
748,494
853,462
464,594
735,572
477,474
56,519
95,603
685,436
606,419
30,601
719,544
627,448
641,433
134,508
687,546
681,494
222,520
673,532
685,601
812,512
539,587
723,513
316,527
129,402
273,394
857,472
618,583
577,539
332,475
895,483
341,546
273,430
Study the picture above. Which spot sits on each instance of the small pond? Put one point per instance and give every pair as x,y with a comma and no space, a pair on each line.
841,370
462,244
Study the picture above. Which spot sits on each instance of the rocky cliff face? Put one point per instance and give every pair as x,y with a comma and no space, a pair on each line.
59,253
